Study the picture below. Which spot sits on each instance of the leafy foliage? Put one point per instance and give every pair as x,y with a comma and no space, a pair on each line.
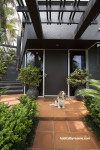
78,78
8,55
3,69
16,123
92,125
30,75
4,59
92,99
2,22
2,91
7,21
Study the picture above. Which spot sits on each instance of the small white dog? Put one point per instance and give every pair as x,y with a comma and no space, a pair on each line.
60,102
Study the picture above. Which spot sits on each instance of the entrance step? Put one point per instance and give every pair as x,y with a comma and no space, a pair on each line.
60,118
9,81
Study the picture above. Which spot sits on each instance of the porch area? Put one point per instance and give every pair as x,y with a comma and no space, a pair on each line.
60,129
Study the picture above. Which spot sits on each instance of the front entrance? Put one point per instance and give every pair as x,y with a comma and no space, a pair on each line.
35,58
56,71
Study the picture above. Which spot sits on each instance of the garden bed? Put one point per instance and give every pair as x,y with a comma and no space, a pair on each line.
16,123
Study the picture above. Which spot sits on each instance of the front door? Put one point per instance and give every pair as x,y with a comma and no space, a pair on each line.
56,71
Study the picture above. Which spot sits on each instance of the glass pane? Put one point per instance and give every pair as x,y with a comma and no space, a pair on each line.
77,60
35,58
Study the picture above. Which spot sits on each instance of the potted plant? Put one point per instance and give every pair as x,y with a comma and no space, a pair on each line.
78,78
32,77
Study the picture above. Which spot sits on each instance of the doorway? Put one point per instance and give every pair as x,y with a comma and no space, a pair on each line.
56,71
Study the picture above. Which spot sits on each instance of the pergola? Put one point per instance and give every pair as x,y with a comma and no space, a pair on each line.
89,10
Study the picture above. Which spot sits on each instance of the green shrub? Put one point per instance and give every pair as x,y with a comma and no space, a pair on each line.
30,75
9,56
78,78
92,100
16,123
92,126
2,91
3,69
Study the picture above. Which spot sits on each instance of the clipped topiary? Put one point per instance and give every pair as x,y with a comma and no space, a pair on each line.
32,77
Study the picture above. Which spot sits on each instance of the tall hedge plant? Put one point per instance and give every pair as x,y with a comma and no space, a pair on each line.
92,99
16,123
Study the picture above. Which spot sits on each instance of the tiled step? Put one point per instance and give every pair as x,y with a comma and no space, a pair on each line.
12,92
10,99
60,118
9,84
13,102
11,87
11,73
10,76
14,87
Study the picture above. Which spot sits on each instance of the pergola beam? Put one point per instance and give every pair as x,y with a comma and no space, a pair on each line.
32,6
63,21
6,45
54,9
93,9
55,2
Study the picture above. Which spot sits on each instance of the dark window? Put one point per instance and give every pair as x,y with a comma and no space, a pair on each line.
77,60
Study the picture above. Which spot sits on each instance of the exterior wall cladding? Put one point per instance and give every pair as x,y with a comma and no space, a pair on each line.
94,62
61,37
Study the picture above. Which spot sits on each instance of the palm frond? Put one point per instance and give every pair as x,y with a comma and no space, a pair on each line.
89,92
95,83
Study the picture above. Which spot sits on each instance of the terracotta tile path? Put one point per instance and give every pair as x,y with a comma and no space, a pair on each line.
61,129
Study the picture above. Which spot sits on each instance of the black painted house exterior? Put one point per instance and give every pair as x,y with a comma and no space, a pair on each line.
57,36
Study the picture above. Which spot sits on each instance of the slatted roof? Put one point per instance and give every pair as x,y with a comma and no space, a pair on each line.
60,12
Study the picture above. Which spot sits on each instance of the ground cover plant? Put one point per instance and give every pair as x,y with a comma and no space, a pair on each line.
92,100
16,123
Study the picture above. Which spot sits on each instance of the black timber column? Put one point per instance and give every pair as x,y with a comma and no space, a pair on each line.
18,50
33,9
93,9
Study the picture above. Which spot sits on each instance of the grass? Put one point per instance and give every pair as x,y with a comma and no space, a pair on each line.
92,125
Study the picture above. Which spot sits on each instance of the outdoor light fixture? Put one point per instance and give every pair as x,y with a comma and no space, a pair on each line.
98,29
37,53
57,45
98,45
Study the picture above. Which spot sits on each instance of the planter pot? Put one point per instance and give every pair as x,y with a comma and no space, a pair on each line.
33,91
79,98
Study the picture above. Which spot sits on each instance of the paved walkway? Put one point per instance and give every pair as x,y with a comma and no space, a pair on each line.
61,129
10,99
